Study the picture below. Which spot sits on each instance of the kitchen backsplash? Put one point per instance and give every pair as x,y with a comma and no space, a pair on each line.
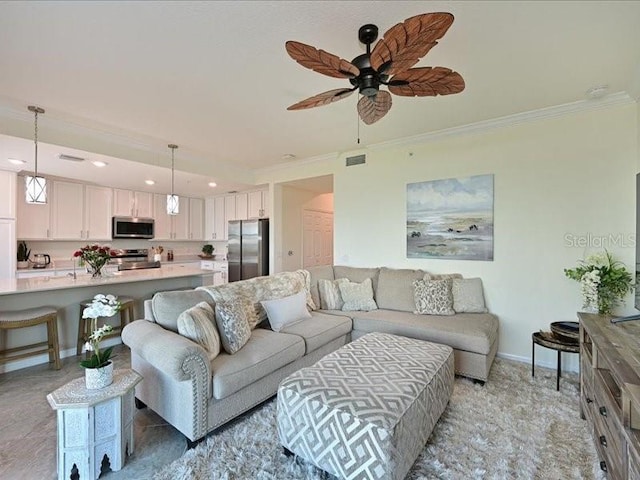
63,250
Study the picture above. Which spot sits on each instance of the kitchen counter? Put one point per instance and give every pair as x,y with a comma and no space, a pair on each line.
46,283
65,294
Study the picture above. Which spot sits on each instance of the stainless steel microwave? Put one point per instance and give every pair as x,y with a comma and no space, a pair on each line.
132,227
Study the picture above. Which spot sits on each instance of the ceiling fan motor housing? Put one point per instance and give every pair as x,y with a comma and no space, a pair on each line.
369,80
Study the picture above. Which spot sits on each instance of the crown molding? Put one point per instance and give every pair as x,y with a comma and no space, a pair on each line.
613,100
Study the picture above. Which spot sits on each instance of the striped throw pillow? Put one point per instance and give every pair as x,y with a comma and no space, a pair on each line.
198,324
330,298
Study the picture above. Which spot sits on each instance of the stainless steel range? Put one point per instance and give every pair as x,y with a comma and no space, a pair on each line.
133,259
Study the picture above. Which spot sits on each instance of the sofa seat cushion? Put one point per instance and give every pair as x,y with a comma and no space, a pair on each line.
471,332
264,353
320,329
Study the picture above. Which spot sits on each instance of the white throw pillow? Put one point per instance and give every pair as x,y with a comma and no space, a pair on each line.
433,297
233,319
468,295
357,296
286,311
330,298
198,324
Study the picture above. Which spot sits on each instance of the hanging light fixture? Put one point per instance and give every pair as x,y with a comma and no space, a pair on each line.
173,202
35,186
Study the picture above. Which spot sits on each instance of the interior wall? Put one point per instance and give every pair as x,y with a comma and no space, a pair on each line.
289,243
564,187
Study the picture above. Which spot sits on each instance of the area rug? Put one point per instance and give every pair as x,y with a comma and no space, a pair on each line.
514,427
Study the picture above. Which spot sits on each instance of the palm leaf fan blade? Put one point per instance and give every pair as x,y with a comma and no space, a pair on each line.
321,61
324,98
404,44
371,109
426,81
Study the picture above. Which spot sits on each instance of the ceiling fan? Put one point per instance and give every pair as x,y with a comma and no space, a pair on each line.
390,62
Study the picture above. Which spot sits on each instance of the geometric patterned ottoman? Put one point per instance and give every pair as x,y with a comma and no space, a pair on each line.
367,409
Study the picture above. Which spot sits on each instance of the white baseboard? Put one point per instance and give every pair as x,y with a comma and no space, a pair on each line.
566,366
44,358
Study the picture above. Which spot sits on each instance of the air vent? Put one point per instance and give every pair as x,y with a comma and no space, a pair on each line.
70,158
232,191
357,160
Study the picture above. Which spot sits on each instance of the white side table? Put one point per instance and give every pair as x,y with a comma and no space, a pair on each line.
95,427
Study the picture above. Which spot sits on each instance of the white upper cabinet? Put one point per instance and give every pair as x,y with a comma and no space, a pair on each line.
32,221
209,218
67,211
175,227
219,219
229,209
127,203
97,212
258,204
8,182
241,206
196,219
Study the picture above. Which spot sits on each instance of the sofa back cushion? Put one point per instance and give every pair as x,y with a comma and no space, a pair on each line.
395,288
321,272
358,275
167,306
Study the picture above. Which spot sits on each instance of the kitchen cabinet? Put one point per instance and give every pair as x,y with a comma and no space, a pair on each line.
220,222
196,219
171,227
8,182
67,211
98,204
32,221
229,208
127,203
209,218
257,207
220,276
8,245
241,206
80,212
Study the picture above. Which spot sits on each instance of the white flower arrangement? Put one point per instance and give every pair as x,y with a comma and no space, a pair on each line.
102,306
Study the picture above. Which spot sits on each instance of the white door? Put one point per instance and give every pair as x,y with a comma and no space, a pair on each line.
181,221
122,203
67,211
196,207
163,228
143,202
8,245
97,212
317,238
219,222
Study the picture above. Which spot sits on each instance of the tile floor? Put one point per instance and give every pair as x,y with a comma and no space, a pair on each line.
28,426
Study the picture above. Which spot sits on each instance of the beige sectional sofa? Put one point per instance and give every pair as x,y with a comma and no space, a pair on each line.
197,395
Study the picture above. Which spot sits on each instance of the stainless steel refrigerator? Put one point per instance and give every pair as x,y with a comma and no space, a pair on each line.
248,249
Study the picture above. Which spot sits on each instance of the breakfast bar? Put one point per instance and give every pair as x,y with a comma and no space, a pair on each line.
65,294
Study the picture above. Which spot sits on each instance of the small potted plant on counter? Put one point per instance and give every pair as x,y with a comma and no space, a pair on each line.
207,251
23,255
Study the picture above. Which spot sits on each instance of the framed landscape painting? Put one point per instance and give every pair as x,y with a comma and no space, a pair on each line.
451,218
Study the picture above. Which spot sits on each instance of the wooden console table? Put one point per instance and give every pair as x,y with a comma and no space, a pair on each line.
610,392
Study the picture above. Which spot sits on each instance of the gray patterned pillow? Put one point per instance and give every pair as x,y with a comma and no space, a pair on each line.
198,324
330,298
233,323
357,296
468,295
433,297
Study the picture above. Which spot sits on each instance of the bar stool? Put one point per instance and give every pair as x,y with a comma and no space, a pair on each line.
126,316
28,318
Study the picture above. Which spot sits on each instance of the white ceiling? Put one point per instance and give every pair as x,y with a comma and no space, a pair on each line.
214,77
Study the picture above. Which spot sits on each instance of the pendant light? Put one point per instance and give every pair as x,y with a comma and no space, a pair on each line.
173,202
35,186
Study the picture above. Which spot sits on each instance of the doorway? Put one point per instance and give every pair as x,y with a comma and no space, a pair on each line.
317,238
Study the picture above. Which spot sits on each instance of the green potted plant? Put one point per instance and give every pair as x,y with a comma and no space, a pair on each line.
207,250
23,255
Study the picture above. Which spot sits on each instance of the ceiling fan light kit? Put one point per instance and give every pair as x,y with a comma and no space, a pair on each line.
389,63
